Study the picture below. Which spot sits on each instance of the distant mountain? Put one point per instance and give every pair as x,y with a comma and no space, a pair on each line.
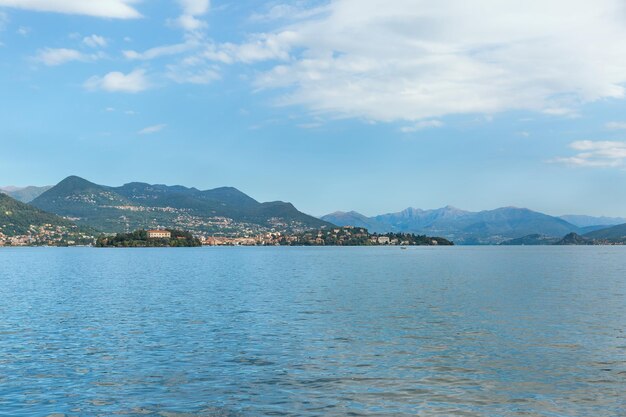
25,194
137,205
352,218
17,218
464,227
614,233
586,221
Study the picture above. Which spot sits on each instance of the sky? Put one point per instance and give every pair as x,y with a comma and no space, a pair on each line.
363,105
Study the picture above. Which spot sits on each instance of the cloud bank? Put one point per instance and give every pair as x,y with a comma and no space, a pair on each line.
410,60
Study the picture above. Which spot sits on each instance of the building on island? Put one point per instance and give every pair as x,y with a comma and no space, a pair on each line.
159,234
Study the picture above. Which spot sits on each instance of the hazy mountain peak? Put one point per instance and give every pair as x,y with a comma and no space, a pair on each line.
24,194
586,221
11,188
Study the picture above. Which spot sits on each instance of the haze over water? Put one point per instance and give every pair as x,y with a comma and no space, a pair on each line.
471,331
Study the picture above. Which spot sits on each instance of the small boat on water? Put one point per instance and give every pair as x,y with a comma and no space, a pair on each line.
402,247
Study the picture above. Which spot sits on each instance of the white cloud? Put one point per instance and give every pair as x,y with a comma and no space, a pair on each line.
418,59
262,47
152,129
195,7
58,56
421,125
95,41
160,51
118,9
595,154
616,125
188,22
192,9
132,82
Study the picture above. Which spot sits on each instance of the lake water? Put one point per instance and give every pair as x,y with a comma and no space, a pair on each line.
462,331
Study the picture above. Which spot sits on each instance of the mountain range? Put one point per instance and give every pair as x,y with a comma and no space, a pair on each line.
226,211
136,205
466,227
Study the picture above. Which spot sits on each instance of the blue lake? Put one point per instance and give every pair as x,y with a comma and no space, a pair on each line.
460,331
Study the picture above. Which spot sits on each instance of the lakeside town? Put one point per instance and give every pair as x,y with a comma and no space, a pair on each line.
49,235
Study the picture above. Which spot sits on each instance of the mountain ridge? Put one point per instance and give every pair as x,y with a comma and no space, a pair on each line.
137,205
464,227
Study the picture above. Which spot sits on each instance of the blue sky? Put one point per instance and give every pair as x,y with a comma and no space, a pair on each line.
333,105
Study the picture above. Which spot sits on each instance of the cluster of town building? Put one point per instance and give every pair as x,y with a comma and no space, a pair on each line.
47,235
339,236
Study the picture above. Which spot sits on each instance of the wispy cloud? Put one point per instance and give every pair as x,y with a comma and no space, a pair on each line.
159,51
421,125
95,41
183,74
4,19
133,82
293,11
604,154
152,129
58,56
24,30
615,125
117,9
192,10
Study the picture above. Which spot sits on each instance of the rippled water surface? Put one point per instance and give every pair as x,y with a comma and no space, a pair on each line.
463,331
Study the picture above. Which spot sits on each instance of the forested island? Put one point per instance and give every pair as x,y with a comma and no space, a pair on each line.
142,239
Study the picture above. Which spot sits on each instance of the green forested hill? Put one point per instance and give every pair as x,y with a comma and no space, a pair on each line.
141,206
17,218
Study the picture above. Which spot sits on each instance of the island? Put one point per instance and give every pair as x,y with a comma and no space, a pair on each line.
169,238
